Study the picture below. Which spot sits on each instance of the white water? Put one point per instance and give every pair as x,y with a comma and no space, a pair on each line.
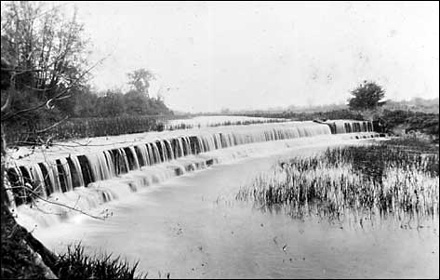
76,164
192,227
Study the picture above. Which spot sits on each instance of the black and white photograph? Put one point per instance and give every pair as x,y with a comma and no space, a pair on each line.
219,139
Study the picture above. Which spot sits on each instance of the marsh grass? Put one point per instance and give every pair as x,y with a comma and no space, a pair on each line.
75,128
75,264
379,180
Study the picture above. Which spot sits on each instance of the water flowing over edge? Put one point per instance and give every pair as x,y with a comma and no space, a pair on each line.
98,174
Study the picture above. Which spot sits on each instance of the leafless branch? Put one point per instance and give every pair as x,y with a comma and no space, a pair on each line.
60,94
52,126
57,203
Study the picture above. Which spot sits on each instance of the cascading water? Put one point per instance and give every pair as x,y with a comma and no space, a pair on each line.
86,174
349,126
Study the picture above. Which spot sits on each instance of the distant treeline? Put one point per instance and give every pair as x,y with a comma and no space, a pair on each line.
306,116
415,105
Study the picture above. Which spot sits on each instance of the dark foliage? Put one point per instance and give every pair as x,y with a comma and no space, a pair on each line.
367,96
81,128
412,121
16,259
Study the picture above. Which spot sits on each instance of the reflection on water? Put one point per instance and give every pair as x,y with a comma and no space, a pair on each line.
192,227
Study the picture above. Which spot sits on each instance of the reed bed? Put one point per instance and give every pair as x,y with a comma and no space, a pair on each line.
381,180
81,128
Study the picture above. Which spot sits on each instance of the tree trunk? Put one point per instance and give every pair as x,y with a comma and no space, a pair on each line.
16,237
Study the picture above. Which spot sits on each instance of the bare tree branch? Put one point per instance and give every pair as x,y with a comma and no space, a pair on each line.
56,203
52,126
60,94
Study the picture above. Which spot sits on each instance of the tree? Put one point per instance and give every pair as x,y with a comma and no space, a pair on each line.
136,103
112,104
17,243
47,52
139,80
367,96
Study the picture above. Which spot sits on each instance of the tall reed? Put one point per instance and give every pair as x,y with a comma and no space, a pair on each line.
380,179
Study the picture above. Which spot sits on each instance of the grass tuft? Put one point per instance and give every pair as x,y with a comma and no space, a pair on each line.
75,264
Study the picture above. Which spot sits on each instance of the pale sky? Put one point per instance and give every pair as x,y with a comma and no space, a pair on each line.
257,55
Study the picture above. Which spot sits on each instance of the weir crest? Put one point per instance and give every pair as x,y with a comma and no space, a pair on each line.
85,173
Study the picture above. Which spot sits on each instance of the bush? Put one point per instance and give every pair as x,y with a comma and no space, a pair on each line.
412,121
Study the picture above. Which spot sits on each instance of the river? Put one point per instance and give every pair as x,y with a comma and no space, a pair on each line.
191,226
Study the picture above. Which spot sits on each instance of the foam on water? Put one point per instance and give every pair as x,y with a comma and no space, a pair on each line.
104,172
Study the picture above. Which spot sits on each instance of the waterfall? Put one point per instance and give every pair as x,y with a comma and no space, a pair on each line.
66,174
349,126
76,172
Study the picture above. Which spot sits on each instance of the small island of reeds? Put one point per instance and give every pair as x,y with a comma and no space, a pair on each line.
397,178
